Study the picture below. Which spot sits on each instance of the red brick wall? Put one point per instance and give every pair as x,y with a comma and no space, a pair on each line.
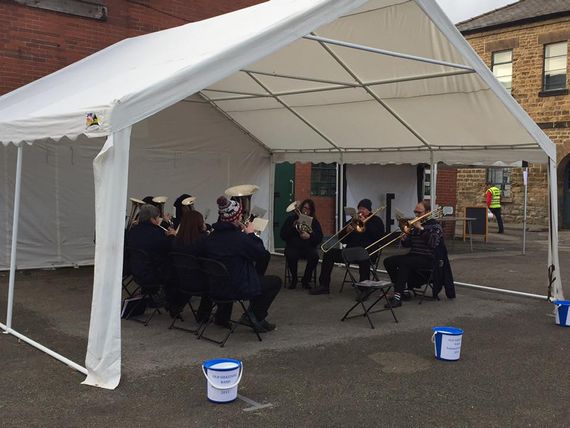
446,189
36,42
324,206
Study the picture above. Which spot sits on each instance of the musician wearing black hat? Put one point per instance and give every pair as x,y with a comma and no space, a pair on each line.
301,242
373,231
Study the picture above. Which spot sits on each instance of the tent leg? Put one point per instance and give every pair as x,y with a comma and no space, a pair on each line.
433,183
271,204
14,239
555,281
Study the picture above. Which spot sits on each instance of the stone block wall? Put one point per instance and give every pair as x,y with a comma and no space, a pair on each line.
551,113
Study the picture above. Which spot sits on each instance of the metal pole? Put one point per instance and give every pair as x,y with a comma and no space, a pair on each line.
525,182
385,52
14,239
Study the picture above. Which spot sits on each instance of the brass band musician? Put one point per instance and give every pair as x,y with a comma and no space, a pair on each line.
422,239
301,242
374,230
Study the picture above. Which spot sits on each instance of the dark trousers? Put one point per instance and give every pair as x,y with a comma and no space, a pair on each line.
259,305
335,256
497,213
293,255
401,266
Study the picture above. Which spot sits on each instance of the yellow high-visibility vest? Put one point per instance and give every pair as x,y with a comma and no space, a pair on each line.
495,197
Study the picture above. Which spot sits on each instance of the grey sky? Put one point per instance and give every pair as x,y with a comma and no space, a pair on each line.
460,10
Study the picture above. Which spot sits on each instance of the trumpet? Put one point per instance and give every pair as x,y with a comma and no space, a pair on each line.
136,204
300,226
358,225
405,227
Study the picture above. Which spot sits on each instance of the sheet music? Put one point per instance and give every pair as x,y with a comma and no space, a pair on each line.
305,219
259,224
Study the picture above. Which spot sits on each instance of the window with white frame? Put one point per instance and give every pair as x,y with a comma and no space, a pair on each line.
555,64
502,67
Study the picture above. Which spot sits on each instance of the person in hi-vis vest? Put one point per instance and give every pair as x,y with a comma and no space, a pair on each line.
493,197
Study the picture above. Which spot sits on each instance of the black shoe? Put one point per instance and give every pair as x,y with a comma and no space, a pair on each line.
306,285
394,303
319,290
407,295
267,326
292,286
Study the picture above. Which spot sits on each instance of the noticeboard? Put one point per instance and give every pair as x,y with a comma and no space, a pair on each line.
479,225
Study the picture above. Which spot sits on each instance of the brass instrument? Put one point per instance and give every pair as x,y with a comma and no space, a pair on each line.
358,225
136,204
160,201
188,201
243,194
300,226
405,224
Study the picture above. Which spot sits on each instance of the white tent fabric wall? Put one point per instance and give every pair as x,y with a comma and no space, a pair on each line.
166,159
308,100
374,181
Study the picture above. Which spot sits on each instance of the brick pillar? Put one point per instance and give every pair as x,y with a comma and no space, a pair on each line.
446,189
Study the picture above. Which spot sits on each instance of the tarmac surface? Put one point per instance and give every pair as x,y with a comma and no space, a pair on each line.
313,370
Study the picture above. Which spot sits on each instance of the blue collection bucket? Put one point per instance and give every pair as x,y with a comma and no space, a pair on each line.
562,315
223,375
447,343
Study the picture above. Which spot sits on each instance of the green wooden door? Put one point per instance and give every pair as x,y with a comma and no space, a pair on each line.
284,194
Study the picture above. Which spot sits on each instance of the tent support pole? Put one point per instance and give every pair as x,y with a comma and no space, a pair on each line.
376,97
336,85
433,182
555,281
294,112
385,52
48,351
271,203
15,221
525,184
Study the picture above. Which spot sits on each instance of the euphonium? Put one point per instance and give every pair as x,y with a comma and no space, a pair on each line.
300,226
135,206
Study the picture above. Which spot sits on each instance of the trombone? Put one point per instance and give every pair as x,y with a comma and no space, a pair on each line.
404,223
358,225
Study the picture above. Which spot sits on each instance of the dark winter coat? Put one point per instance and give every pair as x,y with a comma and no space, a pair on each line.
237,251
291,236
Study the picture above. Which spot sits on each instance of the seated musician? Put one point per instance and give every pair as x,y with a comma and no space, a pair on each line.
374,230
190,239
179,210
301,242
422,238
149,237
246,259
165,218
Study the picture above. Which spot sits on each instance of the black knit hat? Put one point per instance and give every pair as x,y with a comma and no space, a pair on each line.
366,203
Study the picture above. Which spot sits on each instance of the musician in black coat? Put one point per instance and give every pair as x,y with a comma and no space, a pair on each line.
149,237
246,259
427,248
301,242
374,230
190,239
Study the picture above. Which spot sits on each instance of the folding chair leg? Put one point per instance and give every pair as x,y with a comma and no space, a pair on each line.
250,320
344,280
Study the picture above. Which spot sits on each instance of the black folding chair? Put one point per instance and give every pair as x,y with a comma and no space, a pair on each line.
190,282
128,278
219,288
366,289
426,284
288,276
373,270
145,276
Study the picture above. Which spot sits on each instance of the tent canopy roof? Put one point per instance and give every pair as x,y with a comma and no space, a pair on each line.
303,98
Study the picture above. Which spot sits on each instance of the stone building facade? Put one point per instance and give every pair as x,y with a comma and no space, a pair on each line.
526,29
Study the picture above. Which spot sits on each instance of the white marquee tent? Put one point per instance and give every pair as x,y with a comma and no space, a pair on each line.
219,102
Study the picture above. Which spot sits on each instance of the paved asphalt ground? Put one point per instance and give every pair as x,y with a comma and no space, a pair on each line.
314,370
